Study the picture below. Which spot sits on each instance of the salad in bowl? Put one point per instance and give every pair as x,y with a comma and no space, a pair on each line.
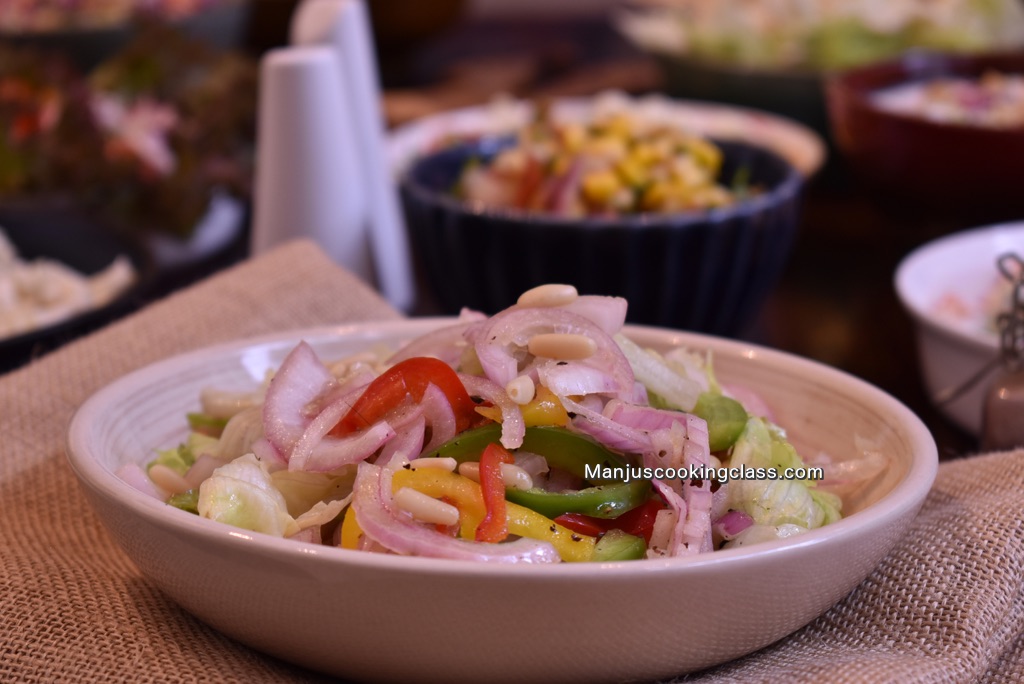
541,434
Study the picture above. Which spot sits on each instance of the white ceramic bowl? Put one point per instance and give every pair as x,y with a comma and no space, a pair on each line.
952,350
389,618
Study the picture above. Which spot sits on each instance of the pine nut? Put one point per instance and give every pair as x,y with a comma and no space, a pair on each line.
512,475
470,469
521,389
562,346
168,480
441,463
426,508
515,477
548,295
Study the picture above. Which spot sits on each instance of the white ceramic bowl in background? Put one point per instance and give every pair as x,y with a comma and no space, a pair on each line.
389,618
950,350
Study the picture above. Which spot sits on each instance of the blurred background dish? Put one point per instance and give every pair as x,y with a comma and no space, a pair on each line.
798,144
88,33
774,55
706,271
952,289
60,233
915,163
135,143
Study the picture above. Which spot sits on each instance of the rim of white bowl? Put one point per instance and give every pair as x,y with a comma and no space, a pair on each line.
919,260
904,498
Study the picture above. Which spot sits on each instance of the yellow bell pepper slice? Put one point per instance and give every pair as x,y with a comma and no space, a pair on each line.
468,498
350,530
544,409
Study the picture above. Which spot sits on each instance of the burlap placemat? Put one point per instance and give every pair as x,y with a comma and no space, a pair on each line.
946,606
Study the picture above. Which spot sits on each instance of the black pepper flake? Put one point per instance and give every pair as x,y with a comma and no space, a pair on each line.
575,537
553,528
696,482
715,486
407,466
561,363
571,414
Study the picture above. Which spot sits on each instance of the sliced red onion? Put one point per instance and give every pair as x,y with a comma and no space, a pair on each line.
439,416
359,378
640,396
661,533
300,380
315,432
644,417
698,496
333,453
534,464
667,452
407,445
382,524
203,468
501,342
697,526
731,524
445,343
608,313
571,378
513,428
133,474
267,453
605,430
679,543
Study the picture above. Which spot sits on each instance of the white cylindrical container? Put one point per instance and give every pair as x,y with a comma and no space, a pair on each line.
308,179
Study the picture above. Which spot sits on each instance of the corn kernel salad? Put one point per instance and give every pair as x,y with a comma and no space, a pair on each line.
616,163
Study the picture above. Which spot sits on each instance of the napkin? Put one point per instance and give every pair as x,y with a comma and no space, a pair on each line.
945,606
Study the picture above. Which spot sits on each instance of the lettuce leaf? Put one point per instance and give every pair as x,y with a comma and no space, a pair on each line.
777,502
242,494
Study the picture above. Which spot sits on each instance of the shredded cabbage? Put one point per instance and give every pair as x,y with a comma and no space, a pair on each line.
667,386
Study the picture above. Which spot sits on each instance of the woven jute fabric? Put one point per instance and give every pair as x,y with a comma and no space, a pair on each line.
945,606
73,607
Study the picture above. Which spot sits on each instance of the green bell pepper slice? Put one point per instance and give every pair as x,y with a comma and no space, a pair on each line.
563,449
726,419
600,501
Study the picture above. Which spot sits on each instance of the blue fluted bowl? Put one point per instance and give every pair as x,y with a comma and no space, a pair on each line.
707,271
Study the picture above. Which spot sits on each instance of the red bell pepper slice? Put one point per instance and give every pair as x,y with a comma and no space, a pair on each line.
494,527
583,524
408,378
638,521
